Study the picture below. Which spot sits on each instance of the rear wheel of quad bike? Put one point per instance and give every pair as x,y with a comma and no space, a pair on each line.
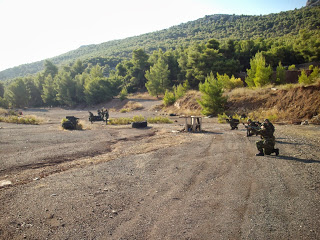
68,125
139,124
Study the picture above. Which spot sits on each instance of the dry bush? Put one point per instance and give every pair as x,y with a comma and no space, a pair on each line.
249,92
273,115
315,120
83,125
130,106
23,119
144,95
3,111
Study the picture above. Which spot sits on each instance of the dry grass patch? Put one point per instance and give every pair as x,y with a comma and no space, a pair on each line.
131,106
23,119
144,95
3,111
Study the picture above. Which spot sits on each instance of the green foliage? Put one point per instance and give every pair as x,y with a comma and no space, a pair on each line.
229,83
179,91
184,54
3,103
186,86
222,118
97,87
50,69
1,90
230,31
259,75
157,78
304,79
314,75
292,67
123,94
169,98
212,101
17,94
280,74
65,88
49,93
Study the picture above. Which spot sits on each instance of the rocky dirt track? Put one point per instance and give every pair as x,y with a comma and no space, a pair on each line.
116,182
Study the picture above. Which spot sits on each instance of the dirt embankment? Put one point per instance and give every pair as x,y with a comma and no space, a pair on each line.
291,104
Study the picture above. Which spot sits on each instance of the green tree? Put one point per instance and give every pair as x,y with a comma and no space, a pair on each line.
186,85
123,94
157,78
280,74
179,91
50,69
17,93
229,83
259,75
97,88
314,75
303,78
1,89
65,87
212,100
49,93
3,103
35,93
80,81
140,65
169,98
77,68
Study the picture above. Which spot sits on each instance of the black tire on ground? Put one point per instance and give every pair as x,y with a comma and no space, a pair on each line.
139,124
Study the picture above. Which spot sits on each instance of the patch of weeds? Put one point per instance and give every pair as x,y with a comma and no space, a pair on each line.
138,118
125,121
159,119
27,119
124,110
272,114
119,121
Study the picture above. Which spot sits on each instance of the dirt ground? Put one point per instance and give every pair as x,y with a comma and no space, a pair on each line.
117,182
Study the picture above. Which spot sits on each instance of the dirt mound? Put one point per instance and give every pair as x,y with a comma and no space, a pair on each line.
291,104
186,105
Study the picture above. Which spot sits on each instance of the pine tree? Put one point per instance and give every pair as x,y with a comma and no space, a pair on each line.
212,100
157,78
259,75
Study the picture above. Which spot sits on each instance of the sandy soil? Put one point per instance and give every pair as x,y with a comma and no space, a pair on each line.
116,182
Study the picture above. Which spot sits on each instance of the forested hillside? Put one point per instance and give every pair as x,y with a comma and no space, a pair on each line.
206,55
220,27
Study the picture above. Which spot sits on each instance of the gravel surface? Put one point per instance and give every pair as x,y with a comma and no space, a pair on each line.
117,182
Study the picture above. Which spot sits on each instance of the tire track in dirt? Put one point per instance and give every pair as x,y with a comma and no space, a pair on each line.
120,147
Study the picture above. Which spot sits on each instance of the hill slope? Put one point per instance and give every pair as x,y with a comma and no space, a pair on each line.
292,105
221,27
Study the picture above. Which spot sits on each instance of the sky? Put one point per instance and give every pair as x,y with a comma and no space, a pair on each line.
34,30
